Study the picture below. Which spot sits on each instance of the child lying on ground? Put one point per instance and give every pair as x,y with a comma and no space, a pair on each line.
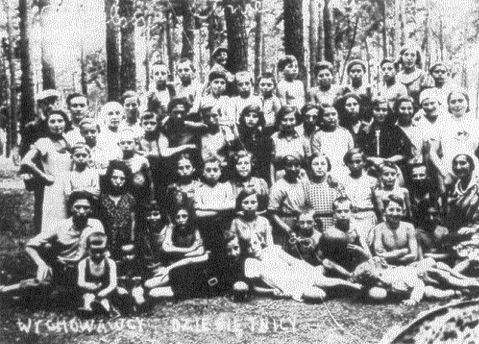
291,277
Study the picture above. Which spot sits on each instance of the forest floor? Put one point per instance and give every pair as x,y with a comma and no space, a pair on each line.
214,320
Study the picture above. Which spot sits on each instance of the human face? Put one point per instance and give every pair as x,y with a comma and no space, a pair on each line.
131,108
461,167
266,87
154,216
159,74
185,168
439,75
251,119
288,122
356,163
78,107
80,157
429,106
118,179
388,176
244,86
291,70
457,104
178,111
149,125
356,73
89,133
185,73
212,172
218,86
393,213
419,174
405,112
126,142
343,212
250,204
113,119
319,166
49,104
325,78
181,218
409,58
243,167
292,169
352,107
330,118
211,119
222,58
81,209
254,247
56,124
380,112
311,117
97,254
388,70
306,224
233,249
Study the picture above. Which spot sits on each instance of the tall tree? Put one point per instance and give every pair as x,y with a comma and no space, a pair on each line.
328,32
169,46
126,11
258,41
48,72
112,51
313,35
27,101
293,31
12,89
188,31
236,34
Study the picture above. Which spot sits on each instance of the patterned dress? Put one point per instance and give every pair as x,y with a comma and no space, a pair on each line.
321,197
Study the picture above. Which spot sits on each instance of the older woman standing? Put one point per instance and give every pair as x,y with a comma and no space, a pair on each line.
53,153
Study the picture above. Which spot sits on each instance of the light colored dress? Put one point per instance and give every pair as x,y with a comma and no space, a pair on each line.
56,164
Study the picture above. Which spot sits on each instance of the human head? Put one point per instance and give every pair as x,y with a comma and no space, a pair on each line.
217,80
418,173
288,66
128,252
404,109
48,100
243,164
159,74
118,177
355,159
380,110
149,122
89,131
247,202
185,167
220,56
356,70
324,72
232,246
428,99
342,208
210,117
177,110
463,166
212,171
349,105
153,212
286,119
97,246
112,114
439,72
410,57
320,165
185,70
244,83
310,115
291,167
266,84
389,173
80,154
183,216
80,205
305,222
131,104
389,69
126,141
77,104
57,122
328,117
254,245
251,117
393,209
458,102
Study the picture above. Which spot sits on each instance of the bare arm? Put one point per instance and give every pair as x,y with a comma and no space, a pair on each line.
28,163
281,223
165,150
82,283
112,278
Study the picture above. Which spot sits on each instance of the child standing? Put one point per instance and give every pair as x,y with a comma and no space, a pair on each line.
290,89
188,86
390,88
118,207
326,92
270,103
215,140
82,177
245,97
97,274
356,69
112,119
248,222
98,156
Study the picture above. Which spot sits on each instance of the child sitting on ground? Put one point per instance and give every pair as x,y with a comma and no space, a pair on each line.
291,277
97,275
290,89
186,178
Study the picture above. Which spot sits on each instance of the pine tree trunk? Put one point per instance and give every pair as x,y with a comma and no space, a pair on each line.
328,32
169,48
258,40
384,43
127,64
293,31
313,36
48,72
237,37
188,33
12,90
112,56
146,61
27,101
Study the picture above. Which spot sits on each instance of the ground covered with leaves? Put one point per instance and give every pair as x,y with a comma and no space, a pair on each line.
215,320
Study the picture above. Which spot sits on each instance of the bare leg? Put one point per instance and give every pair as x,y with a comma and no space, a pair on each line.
438,294
161,292
314,293
322,281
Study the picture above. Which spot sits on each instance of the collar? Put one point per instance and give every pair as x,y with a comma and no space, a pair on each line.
281,135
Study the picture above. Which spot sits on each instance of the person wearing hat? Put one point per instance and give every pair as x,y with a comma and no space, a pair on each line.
356,70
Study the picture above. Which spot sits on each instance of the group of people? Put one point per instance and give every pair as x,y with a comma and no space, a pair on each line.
197,189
